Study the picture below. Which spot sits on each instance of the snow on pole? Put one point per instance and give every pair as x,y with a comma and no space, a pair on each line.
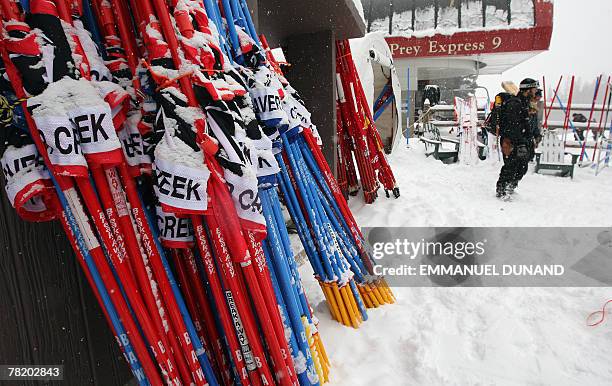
600,128
548,110
90,242
236,249
373,165
214,151
588,129
567,112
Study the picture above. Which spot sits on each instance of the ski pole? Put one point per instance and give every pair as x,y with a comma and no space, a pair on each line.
609,139
116,220
207,314
588,129
552,102
158,269
73,201
601,129
165,24
567,112
221,192
237,342
190,340
92,275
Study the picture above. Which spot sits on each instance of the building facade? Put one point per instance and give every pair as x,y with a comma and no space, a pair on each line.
443,42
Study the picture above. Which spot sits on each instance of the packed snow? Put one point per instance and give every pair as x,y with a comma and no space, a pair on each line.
468,336
437,194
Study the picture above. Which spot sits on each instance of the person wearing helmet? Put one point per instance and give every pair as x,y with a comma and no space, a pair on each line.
536,125
516,137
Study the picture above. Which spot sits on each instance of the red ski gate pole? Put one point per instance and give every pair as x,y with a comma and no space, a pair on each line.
220,193
600,129
67,186
588,129
568,111
548,110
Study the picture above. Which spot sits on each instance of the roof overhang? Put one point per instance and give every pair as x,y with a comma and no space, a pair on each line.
280,19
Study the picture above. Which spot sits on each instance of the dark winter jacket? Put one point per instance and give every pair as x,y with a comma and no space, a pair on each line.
515,123
534,121
579,118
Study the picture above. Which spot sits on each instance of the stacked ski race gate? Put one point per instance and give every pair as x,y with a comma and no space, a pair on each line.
359,142
163,136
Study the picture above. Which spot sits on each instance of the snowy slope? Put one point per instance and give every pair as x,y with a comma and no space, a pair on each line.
476,336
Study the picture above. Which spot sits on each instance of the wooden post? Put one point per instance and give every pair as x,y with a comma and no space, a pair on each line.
413,13
459,13
484,13
313,74
390,17
508,3
436,12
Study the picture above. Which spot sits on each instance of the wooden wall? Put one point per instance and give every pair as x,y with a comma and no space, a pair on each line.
48,314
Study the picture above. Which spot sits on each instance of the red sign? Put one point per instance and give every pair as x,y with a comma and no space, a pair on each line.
469,43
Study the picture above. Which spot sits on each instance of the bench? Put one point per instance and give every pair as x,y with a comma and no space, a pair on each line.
551,155
432,139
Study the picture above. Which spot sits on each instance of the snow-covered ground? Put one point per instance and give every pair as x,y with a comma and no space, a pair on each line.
436,194
469,336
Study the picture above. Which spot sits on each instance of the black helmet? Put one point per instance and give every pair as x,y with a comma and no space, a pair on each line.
528,83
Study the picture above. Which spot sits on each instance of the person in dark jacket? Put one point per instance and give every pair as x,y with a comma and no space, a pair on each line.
536,126
579,133
516,135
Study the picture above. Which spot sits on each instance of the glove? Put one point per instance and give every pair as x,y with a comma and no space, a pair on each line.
537,140
522,151
507,147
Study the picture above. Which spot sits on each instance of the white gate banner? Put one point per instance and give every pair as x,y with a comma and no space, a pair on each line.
174,232
181,188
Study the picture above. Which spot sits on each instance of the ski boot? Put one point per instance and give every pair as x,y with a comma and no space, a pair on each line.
503,196
502,193
511,188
